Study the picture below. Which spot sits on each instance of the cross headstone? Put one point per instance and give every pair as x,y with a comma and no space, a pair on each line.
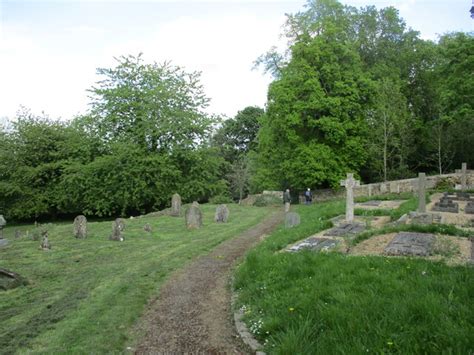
463,176
421,192
349,184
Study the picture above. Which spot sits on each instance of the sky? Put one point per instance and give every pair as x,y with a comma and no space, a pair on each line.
50,50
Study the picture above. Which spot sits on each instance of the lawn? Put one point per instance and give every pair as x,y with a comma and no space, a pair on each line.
85,295
332,303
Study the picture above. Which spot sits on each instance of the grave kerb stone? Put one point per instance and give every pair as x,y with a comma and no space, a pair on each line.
349,184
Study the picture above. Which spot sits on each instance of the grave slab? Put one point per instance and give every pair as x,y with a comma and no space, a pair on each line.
410,244
315,244
345,229
373,203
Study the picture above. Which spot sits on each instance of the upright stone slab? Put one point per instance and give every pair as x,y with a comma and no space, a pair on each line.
193,216
117,229
464,176
80,227
3,223
147,228
222,214
421,192
175,205
349,184
45,242
292,219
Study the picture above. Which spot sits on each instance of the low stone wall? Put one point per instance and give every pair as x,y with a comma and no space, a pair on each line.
411,185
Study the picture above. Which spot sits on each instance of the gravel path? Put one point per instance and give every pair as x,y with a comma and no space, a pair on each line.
192,313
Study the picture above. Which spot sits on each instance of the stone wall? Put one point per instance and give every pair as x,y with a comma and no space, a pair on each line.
411,185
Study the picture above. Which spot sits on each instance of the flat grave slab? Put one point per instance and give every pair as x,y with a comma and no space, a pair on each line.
315,244
373,203
411,244
3,242
345,229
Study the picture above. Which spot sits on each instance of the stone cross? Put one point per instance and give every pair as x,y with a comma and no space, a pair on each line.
349,183
421,193
464,176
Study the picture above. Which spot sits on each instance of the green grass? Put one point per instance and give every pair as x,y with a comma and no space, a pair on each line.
309,303
85,295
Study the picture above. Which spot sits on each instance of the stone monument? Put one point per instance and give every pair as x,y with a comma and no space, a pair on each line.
421,192
222,214
349,184
193,216
175,205
117,229
80,227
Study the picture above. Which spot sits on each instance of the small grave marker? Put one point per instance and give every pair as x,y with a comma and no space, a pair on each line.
80,227
292,219
175,205
222,214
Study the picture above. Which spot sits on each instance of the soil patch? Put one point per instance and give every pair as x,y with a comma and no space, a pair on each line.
193,311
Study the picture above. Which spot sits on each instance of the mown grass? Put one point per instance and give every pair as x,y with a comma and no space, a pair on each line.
309,303
85,295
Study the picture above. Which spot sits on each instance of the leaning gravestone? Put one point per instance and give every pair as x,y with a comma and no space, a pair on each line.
175,205
222,214
292,219
3,223
410,244
80,227
117,229
10,279
193,216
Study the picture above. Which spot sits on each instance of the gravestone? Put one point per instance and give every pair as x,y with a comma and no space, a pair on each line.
469,209
411,244
463,176
345,229
222,214
17,234
147,228
80,227
315,244
445,204
117,229
175,205
193,216
349,184
3,223
292,219
421,192
10,279
45,242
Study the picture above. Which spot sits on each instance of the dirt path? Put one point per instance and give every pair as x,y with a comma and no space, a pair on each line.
192,313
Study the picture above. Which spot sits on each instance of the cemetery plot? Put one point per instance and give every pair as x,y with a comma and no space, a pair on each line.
457,209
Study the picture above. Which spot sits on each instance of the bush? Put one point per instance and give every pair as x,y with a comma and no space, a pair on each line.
220,199
267,200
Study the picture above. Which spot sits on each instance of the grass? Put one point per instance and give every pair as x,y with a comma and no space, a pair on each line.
85,295
330,303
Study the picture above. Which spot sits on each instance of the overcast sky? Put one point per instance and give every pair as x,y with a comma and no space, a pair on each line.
49,50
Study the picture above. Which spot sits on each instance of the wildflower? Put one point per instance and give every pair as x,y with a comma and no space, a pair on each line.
389,343
291,309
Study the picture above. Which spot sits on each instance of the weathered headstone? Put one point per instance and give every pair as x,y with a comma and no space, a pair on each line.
80,227
421,192
315,244
292,219
408,243
349,184
469,209
463,176
445,204
3,223
147,228
117,229
193,216
175,205
222,214
45,242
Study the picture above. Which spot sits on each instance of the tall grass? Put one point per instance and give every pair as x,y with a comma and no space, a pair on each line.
309,303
